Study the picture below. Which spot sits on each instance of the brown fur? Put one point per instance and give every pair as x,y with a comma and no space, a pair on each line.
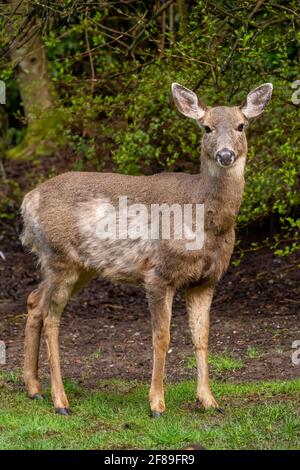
59,221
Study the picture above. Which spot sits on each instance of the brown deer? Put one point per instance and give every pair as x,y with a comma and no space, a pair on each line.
61,225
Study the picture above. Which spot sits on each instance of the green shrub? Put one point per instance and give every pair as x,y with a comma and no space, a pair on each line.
221,51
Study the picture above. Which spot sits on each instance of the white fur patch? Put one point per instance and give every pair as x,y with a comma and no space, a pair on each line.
236,170
214,168
111,254
30,214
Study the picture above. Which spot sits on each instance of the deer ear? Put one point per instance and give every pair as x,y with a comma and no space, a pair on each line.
257,100
187,102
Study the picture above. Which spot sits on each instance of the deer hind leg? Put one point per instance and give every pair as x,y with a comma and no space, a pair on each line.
32,343
160,304
198,300
59,286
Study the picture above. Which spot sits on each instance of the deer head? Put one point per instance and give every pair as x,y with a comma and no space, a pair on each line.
224,142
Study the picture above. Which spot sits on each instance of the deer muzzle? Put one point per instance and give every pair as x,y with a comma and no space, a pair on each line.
225,157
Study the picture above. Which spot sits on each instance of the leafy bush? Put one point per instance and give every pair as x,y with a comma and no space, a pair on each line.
221,50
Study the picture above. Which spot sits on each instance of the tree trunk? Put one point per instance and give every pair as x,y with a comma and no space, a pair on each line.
28,56
38,95
182,14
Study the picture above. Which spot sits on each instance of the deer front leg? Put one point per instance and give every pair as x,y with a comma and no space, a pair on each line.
198,301
160,304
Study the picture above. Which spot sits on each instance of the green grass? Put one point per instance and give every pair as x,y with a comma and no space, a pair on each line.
115,416
254,353
218,363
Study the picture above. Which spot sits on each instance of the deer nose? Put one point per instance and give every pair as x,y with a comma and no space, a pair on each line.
225,157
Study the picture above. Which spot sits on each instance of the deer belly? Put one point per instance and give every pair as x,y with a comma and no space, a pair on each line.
117,260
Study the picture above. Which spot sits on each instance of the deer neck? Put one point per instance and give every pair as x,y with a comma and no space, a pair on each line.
222,189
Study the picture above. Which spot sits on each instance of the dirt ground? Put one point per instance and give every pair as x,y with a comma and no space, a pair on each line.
106,331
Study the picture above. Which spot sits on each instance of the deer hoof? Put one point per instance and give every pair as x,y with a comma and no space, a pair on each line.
63,411
221,411
37,396
155,414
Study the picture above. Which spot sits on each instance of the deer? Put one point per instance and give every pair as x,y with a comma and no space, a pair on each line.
60,218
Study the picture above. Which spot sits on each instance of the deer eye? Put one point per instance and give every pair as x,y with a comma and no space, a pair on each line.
240,127
207,129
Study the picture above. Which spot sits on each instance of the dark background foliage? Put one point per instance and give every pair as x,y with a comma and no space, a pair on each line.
112,64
